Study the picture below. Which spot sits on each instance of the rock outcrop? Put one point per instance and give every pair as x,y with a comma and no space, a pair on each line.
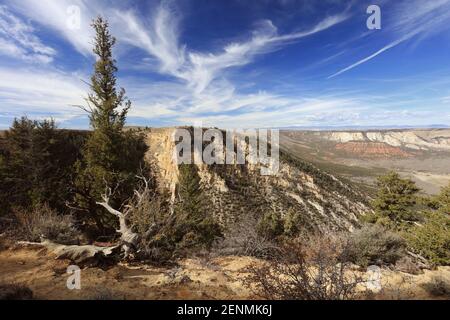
436,139
321,199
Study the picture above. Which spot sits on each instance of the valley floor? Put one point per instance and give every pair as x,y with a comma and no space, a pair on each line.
215,278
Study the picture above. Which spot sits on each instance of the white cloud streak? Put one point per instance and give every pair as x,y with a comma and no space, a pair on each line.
389,46
56,14
410,19
17,40
37,91
199,69
197,87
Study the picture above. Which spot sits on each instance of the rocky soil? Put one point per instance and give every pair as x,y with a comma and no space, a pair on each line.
197,278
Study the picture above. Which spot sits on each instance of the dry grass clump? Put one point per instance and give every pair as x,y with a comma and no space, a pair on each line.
244,239
43,222
306,269
374,245
438,287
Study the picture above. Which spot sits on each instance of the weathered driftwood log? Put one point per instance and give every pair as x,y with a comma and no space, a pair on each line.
93,253
78,254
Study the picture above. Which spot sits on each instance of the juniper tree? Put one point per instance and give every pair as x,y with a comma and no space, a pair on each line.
37,164
189,190
195,225
431,237
17,163
111,156
395,201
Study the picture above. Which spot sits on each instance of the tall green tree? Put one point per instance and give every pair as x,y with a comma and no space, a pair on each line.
111,156
395,201
18,163
195,225
190,194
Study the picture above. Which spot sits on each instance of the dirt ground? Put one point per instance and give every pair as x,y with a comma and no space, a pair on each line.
190,279
218,278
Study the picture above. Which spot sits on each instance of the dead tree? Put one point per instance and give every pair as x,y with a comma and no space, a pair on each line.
128,238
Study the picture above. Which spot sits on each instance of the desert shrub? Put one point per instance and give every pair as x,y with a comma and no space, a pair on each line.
292,222
166,234
15,292
243,239
438,287
431,239
271,225
374,244
151,220
408,265
44,222
311,269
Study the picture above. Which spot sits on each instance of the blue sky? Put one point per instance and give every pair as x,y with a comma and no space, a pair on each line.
234,63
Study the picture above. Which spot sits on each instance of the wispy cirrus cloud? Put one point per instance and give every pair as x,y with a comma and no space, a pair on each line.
411,19
17,39
57,14
170,82
161,40
47,91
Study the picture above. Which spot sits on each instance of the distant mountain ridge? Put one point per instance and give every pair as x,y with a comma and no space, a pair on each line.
412,139
364,128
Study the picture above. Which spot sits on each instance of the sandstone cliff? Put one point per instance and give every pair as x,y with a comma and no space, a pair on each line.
237,190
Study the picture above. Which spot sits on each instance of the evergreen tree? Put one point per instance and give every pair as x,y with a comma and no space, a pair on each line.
431,238
18,162
47,174
189,190
194,225
443,199
111,157
36,165
395,200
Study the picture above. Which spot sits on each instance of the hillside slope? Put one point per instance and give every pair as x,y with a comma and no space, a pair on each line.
234,191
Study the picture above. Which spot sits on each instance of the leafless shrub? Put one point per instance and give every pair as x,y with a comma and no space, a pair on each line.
15,292
42,221
244,239
307,269
408,265
373,244
148,215
438,287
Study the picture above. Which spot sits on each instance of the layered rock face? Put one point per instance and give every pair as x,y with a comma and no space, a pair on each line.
233,191
437,139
